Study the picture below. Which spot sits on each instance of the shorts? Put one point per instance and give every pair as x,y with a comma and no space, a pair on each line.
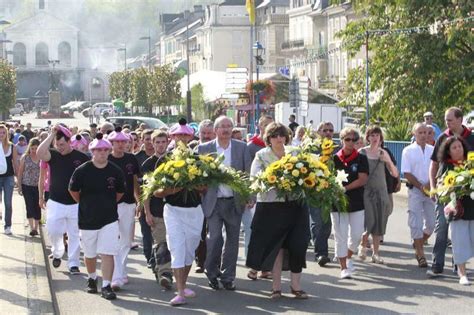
104,241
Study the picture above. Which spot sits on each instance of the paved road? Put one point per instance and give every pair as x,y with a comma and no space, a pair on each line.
78,120
399,286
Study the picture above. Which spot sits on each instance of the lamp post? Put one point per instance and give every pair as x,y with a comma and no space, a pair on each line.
189,116
149,49
124,49
258,52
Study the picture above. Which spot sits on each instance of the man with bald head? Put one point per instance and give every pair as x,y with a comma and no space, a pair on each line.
222,207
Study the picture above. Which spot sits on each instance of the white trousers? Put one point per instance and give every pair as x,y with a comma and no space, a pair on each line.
421,214
60,219
462,236
183,233
126,213
348,229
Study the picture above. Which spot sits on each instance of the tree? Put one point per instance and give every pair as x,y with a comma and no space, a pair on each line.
140,89
7,87
416,71
200,110
120,85
165,89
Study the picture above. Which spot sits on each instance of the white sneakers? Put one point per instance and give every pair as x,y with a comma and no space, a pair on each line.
346,274
464,280
350,265
8,230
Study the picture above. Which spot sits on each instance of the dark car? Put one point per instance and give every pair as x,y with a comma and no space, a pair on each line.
135,121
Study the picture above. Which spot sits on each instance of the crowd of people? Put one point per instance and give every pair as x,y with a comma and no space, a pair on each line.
88,181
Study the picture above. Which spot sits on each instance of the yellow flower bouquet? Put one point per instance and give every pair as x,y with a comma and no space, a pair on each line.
455,185
304,175
185,169
317,145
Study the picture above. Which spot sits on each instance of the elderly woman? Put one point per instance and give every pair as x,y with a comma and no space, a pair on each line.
279,224
348,227
376,198
452,153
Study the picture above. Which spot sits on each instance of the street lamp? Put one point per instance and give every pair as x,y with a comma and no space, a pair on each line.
258,52
124,49
188,92
149,49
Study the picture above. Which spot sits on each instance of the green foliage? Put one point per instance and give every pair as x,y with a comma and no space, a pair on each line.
140,81
164,88
199,106
415,72
7,86
120,85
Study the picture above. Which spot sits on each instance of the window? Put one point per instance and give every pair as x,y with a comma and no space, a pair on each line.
41,54
41,4
19,54
64,54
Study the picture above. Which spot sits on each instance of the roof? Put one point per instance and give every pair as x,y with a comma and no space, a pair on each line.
280,3
239,2
41,22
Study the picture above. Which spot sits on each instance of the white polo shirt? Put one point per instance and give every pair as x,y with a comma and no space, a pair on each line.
224,191
416,161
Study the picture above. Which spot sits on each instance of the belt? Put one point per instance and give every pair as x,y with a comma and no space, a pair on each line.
226,198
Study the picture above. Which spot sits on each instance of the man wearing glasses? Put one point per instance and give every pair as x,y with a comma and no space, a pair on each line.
320,230
428,117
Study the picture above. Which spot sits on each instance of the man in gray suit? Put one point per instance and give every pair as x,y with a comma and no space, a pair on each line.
223,207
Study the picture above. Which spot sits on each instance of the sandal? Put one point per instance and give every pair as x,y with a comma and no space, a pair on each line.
266,275
276,294
252,274
300,294
422,263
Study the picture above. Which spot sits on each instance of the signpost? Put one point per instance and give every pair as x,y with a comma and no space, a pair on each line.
236,80
303,89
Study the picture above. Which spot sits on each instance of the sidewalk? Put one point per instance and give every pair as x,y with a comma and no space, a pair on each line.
24,285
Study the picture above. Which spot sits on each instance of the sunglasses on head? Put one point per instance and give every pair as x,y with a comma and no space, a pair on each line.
328,130
277,135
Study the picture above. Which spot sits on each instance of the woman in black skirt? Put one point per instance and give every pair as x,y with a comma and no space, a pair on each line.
280,227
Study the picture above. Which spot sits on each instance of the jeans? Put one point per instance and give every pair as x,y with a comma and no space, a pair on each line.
247,218
320,232
7,184
441,230
147,239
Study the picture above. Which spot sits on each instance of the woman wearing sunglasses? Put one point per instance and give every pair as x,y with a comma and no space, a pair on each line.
349,226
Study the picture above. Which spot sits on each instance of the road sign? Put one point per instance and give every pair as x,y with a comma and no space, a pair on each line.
293,93
303,89
236,79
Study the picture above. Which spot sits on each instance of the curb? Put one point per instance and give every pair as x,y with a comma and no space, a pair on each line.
54,299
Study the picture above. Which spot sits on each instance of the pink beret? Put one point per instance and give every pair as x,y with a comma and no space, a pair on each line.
64,130
100,143
181,128
118,136
78,140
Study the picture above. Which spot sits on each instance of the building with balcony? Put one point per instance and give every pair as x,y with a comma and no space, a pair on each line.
272,26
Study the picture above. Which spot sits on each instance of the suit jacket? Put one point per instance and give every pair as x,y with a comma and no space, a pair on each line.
241,161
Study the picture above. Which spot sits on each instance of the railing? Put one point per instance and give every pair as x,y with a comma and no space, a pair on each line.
290,44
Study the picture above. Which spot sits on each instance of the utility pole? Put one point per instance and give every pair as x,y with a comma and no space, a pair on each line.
367,91
188,92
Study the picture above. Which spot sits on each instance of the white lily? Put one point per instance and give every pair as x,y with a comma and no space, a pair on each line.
341,177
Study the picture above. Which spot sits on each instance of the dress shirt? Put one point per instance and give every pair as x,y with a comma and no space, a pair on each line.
416,161
224,191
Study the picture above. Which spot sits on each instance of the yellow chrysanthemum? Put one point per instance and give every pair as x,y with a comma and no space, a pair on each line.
271,179
206,158
303,170
470,156
449,180
295,173
309,182
289,166
293,159
179,163
323,184
275,165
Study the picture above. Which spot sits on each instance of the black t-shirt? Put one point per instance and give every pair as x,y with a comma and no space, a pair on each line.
469,141
293,126
359,165
61,168
98,189
156,204
185,198
130,167
141,157
28,134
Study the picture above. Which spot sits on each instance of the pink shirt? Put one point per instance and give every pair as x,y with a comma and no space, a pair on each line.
45,165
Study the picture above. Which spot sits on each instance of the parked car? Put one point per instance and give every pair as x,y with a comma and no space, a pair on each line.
135,121
17,110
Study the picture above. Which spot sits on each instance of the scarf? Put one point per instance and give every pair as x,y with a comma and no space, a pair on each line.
454,162
465,132
257,140
347,159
